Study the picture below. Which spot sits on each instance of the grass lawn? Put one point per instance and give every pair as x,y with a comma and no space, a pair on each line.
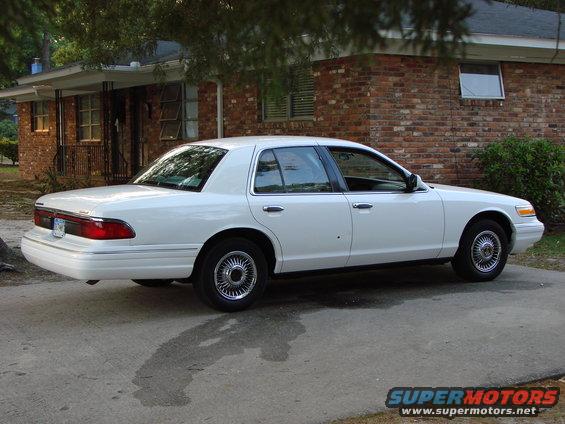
548,253
12,171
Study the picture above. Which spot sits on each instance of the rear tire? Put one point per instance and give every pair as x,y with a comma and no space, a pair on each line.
482,253
232,275
153,283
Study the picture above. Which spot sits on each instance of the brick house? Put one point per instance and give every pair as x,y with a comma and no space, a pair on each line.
107,124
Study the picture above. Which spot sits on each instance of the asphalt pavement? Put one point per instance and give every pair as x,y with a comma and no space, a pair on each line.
314,349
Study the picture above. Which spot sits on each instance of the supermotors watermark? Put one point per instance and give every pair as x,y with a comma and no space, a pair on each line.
453,402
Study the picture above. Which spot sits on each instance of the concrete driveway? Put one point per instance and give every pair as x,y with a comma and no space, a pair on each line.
314,349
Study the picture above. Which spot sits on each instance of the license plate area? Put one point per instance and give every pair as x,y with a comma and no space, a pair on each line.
58,227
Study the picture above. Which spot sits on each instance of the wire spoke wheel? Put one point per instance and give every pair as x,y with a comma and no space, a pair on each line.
235,275
486,251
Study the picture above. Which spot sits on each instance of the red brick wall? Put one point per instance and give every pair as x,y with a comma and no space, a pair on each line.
407,107
36,149
410,109
418,117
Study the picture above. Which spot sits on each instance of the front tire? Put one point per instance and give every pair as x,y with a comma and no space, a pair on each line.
232,276
153,283
482,252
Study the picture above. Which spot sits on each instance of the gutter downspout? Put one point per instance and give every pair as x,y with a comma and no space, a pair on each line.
220,108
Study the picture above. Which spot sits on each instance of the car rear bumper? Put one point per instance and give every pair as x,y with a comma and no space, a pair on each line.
146,262
526,235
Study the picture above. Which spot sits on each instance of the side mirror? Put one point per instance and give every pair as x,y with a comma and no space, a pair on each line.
411,183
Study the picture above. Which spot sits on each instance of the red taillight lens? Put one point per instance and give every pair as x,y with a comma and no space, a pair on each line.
92,228
42,218
105,230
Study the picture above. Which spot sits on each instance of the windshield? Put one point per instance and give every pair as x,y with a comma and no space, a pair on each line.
185,168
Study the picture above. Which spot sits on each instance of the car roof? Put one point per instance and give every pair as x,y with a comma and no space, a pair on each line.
231,143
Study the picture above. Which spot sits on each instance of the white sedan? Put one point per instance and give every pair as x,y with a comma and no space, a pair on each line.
228,214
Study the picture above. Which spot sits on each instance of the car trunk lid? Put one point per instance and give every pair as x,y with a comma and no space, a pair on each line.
84,201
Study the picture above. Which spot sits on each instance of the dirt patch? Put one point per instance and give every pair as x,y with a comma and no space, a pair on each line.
17,196
553,415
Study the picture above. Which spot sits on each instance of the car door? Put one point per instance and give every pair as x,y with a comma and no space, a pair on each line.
292,195
389,224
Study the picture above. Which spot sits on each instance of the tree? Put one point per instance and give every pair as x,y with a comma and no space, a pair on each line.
8,130
226,37
223,37
22,25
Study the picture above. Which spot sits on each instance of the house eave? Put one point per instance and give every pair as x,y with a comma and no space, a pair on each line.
76,79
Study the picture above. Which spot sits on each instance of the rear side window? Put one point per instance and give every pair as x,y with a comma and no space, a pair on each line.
268,178
291,170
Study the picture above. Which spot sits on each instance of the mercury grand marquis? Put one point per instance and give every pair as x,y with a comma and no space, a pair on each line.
227,214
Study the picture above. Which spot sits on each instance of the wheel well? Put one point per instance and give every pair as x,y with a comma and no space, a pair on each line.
251,234
498,217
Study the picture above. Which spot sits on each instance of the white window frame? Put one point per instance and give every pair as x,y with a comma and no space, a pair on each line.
500,81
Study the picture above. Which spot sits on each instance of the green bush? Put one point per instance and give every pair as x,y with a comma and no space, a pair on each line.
532,169
9,149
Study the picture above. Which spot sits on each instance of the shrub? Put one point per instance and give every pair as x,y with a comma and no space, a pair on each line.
51,182
532,169
9,149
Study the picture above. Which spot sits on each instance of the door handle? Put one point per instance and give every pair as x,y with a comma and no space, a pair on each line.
362,205
274,208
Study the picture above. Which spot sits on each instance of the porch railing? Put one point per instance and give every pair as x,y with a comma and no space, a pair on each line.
89,160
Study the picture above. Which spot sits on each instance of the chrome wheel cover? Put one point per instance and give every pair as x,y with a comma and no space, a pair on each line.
235,275
485,251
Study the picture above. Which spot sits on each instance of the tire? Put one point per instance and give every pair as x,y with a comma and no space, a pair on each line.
243,280
482,253
153,283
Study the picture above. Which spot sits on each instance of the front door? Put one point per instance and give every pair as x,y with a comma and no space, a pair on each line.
389,224
293,197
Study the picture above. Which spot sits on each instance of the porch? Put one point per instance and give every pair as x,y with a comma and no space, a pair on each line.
103,125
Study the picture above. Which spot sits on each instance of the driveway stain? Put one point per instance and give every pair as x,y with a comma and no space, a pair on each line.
163,378
274,323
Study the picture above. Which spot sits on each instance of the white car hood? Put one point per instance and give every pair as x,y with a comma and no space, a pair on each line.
84,201
478,194
460,189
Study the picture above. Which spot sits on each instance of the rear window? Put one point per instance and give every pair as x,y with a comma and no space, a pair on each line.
185,168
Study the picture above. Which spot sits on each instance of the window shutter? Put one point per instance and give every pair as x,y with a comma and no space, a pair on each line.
302,95
275,107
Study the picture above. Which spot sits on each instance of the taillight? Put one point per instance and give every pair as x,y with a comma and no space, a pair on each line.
43,218
100,229
92,228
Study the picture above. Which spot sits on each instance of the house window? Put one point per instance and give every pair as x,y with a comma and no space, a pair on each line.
40,116
179,112
296,103
481,81
89,117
